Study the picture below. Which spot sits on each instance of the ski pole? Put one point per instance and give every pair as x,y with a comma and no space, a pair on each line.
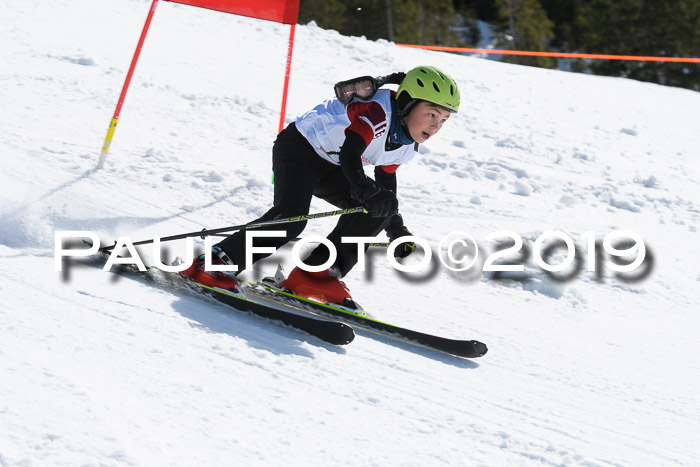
204,232
373,244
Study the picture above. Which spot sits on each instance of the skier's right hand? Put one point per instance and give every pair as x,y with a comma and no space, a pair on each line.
379,201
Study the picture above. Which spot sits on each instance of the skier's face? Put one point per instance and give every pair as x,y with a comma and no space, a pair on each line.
425,120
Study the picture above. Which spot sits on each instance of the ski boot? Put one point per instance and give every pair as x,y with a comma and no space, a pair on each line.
323,286
225,280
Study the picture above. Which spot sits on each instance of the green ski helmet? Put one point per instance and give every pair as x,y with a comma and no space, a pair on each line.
429,84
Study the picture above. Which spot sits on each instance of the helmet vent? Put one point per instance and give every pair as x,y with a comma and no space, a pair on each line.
452,90
420,83
436,86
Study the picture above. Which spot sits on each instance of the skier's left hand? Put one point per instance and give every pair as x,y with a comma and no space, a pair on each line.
405,248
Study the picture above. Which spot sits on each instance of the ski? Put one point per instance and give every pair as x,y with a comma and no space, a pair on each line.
328,330
460,348
333,332
331,323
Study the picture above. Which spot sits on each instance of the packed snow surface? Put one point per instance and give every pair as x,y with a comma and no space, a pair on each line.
101,370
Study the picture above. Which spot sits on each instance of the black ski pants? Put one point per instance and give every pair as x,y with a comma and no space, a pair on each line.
300,173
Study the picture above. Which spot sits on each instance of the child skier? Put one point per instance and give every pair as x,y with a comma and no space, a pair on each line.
322,154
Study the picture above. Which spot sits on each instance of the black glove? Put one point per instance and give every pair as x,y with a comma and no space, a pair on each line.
405,248
379,201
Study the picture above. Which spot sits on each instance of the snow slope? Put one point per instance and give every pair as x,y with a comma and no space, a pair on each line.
102,371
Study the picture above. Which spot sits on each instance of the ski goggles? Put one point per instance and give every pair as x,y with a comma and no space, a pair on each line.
364,88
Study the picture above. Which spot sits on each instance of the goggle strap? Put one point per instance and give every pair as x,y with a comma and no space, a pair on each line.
394,78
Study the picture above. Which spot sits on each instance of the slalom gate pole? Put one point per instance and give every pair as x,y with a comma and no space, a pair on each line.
287,72
115,118
205,233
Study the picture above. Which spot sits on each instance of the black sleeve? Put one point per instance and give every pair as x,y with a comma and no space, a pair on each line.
385,179
351,159
388,180
395,227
